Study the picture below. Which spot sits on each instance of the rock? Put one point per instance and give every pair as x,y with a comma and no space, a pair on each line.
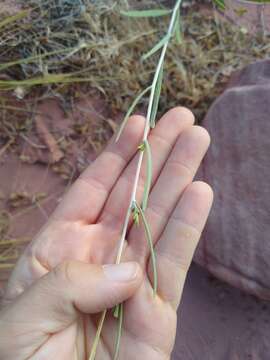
235,327
235,246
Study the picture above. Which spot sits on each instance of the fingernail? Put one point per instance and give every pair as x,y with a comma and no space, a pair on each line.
122,272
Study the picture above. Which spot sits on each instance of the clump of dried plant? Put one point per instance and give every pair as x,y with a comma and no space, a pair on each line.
39,61
50,45
9,247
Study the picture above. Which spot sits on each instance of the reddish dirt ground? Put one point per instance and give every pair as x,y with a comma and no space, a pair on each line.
40,164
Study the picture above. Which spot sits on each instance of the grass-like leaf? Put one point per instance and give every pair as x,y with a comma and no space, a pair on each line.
220,4
148,182
97,336
146,13
119,332
150,244
177,28
156,98
134,209
156,48
34,58
11,19
130,111
42,80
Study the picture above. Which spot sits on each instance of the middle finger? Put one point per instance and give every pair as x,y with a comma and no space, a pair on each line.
176,175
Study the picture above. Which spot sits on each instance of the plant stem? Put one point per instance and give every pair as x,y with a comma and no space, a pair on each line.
146,132
119,332
139,165
97,336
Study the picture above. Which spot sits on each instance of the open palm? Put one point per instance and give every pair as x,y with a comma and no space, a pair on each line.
87,224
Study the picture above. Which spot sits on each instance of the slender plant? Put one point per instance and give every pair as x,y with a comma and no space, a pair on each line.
135,210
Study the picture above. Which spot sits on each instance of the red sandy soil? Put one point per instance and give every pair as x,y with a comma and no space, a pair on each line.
216,322
38,168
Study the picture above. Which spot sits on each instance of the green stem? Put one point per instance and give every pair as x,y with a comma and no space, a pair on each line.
149,175
97,336
119,331
138,170
151,246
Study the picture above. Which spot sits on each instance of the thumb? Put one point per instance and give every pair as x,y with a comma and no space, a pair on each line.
53,302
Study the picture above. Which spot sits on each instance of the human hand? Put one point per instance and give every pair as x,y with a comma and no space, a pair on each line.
59,283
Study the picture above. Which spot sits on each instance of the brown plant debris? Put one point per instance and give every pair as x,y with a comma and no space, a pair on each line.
44,53
49,140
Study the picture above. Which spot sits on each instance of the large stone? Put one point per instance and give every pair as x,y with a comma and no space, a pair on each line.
235,246
219,322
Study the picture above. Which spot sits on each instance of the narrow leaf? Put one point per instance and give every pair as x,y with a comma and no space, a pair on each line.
42,80
177,28
148,182
116,311
154,49
34,58
11,19
119,332
146,13
130,110
220,4
156,98
151,247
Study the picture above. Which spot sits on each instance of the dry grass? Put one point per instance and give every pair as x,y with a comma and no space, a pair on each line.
9,248
61,42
